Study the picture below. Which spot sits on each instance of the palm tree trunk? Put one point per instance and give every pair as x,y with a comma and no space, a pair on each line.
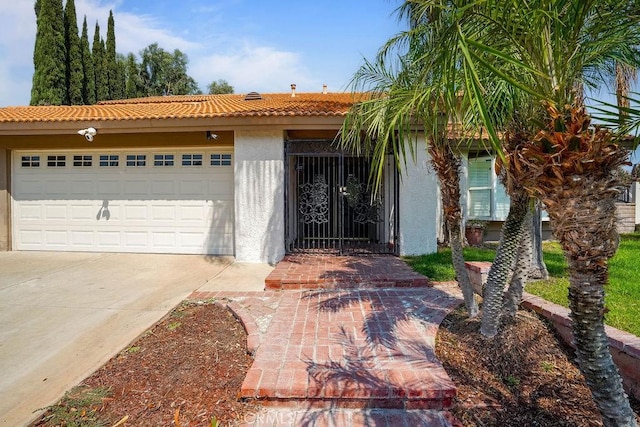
585,224
538,269
462,276
586,297
513,297
503,264
447,166
587,278
578,182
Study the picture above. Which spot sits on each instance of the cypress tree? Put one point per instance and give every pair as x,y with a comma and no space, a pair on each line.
49,76
133,87
99,66
89,76
74,72
113,82
103,90
122,74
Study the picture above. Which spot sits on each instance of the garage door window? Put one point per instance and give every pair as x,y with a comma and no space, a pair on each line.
220,159
30,161
109,160
82,161
163,160
56,161
192,160
136,160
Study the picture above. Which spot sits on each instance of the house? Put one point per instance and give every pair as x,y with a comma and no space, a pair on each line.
254,176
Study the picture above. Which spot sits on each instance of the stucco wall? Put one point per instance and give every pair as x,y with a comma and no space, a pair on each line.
418,206
464,185
259,196
5,234
635,193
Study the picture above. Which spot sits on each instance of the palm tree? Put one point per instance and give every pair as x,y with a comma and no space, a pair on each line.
556,47
545,50
386,122
572,167
510,254
521,272
625,76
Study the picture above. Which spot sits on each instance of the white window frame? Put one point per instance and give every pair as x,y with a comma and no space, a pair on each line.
82,160
496,188
111,160
192,160
221,159
164,160
56,160
497,191
30,160
135,160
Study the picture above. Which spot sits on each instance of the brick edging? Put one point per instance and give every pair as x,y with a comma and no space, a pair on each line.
624,347
620,340
248,322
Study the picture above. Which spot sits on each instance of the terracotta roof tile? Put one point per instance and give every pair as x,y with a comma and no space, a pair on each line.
188,106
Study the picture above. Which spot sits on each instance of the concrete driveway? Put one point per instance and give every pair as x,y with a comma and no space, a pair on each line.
63,315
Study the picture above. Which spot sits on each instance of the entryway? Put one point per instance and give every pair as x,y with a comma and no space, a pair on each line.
317,271
332,206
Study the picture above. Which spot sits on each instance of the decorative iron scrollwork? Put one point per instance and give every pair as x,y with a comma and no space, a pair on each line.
359,199
314,201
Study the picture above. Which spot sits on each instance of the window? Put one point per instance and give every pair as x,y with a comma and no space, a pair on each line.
82,160
487,197
163,160
136,160
192,160
30,161
221,160
56,161
109,160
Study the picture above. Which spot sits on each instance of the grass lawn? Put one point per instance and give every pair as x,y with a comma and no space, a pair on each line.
622,293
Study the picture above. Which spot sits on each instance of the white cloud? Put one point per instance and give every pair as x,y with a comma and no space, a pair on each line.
17,37
254,68
247,65
133,32
18,32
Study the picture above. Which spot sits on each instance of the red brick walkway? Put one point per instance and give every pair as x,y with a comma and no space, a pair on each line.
360,348
304,271
357,356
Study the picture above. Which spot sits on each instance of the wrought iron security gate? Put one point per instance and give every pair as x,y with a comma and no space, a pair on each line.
331,206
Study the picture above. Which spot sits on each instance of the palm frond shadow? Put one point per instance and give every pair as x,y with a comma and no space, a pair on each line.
398,306
355,373
383,333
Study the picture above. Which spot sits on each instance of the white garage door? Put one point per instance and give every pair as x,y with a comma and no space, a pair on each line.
159,201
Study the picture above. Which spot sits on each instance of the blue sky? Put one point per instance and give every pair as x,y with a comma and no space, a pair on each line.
255,45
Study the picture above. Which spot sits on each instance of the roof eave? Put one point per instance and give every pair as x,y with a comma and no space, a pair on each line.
171,124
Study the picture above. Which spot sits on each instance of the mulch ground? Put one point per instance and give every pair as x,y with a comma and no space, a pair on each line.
189,368
522,377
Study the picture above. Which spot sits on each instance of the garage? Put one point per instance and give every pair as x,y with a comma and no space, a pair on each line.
145,200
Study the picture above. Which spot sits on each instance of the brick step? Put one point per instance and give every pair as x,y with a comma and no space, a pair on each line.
347,283
282,389
354,349
286,417
343,272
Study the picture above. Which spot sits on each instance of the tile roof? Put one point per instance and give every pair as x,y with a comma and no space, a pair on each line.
188,107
